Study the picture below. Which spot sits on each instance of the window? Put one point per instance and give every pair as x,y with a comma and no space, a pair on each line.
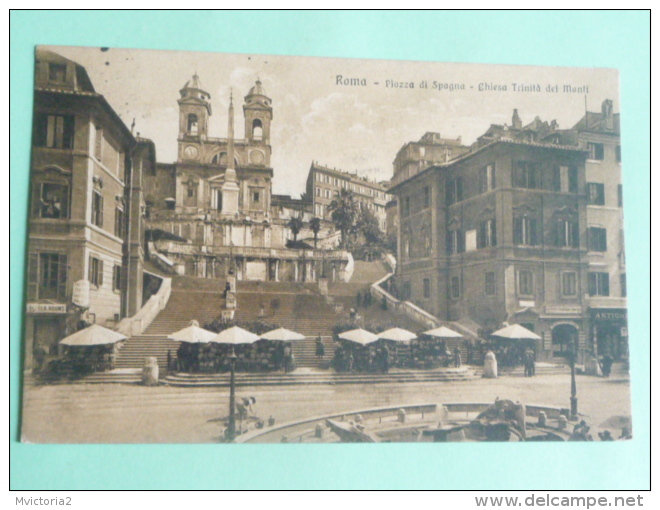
526,175
47,276
487,235
568,235
455,242
525,231
569,284
191,192
525,283
596,193
486,178
617,152
624,286
489,285
406,206
50,200
98,143
116,277
427,288
56,72
95,274
53,131
119,222
455,287
565,179
596,151
257,129
597,239
193,124
422,152
454,190
599,284
97,208
318,192
256,197
427,196
619,195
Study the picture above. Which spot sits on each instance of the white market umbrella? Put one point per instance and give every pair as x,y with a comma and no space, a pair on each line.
193,334
235,336
359,336
443,332
397,335
516,331
93,335
282,335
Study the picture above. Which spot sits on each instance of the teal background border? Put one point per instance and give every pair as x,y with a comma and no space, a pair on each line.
619,39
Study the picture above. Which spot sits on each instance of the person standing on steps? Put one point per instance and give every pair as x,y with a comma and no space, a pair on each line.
320,348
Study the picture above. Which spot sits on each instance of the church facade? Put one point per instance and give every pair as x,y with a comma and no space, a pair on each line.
212,207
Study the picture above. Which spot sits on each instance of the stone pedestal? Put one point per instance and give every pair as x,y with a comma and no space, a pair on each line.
150,371
592,367
323,286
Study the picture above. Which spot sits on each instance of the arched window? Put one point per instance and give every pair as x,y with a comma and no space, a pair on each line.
214,160
193,123
257,129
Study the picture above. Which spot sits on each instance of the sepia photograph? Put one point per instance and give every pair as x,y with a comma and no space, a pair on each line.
236,248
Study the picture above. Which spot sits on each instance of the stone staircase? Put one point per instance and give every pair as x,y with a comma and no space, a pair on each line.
295,307
199,299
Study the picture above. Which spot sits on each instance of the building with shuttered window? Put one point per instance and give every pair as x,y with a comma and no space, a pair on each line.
500,234
85,259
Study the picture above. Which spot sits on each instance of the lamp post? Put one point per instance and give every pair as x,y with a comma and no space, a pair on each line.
574,399
231,426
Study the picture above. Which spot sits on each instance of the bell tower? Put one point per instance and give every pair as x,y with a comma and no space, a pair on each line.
194,113
258,114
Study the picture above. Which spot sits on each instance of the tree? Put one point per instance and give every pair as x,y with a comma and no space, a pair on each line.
367,225
344,213
315,226
295,224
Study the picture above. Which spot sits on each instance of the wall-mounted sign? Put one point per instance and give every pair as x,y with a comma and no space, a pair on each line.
609,314
80,295
46,308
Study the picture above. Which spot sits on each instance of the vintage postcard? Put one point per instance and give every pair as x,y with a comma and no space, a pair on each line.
268,249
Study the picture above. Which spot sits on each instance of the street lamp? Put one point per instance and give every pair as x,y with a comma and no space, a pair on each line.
231,426
574,399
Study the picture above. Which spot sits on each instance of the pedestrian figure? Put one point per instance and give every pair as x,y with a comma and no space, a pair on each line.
320,348
169,359
529,363
385,359
358,299
349,362
605,436
245,407
607,365
457,357
289,363
39,358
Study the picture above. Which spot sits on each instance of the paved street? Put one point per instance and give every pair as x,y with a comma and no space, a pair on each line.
107,413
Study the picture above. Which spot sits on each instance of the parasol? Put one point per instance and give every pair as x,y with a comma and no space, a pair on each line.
282,335
443,332
235,336
193,334
397,335
93,335
359,336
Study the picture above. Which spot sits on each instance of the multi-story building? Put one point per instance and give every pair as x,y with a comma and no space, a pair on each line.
431,149
217,198
599,134
525,227
324,184
85,207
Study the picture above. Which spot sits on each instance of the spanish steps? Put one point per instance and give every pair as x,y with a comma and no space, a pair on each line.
296,306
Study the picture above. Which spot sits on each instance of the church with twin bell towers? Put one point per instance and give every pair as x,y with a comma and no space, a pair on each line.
212,209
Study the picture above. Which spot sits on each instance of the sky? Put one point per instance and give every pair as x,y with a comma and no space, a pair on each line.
349,114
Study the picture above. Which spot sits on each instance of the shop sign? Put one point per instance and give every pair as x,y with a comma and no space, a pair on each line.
609,314
46,308
80,295
563,310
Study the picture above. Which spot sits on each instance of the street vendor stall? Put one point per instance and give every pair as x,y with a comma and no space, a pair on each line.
393,354
431,350
92,349
510,344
